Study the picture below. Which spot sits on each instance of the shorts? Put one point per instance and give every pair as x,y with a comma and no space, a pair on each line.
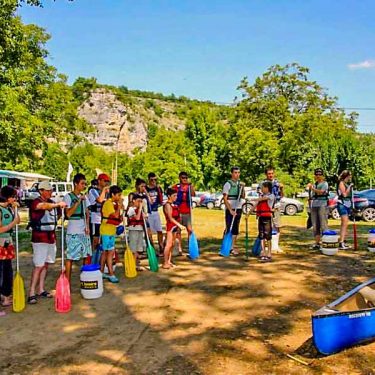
343,210
43,253
155,223
186,220
236,223
94,230
78,246
136,241
319,219
265,227
276,220
108,242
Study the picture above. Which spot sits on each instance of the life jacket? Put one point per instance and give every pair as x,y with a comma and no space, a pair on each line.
133,222
234,191
42,220
96,207
263,209
112,220
320,197
7,216
157,194
182,195
79,213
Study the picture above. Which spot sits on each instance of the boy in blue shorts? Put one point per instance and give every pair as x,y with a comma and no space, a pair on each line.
111,218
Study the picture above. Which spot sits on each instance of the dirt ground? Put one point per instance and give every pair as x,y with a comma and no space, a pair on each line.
212,316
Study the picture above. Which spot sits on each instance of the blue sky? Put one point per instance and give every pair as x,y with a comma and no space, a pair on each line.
202,49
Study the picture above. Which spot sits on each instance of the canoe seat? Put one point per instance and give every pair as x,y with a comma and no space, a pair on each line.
369,295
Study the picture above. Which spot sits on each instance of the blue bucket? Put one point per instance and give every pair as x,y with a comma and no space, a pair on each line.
329,233
372,231
90,267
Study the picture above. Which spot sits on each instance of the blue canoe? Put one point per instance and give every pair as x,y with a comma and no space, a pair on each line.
348,321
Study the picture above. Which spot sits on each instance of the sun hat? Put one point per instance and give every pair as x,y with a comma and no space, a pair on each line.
45,185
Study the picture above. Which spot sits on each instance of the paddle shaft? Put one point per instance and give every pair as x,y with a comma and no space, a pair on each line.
145,227
191,207
62,239
247,235
125,233
355,240
17,250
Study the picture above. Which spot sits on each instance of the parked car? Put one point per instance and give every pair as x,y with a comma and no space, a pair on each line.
289,206
208,201
367,207
198,198
362,207
60,189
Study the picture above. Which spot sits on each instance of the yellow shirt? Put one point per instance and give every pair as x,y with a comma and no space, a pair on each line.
107,210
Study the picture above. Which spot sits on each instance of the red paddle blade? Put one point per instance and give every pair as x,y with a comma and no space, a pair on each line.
63,301
355,236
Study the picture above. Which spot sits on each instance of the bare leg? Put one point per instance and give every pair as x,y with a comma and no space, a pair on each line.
160,242
344,227
109,261
42,278
168,250
35,275
68,268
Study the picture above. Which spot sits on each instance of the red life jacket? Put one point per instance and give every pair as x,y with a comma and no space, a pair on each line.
175,215
132,221
112,220
263,209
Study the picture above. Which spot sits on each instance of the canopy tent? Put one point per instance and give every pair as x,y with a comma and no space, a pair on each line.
25,177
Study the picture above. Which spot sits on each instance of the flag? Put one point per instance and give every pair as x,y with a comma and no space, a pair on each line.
70,170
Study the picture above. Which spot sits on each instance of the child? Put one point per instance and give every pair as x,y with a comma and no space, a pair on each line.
264,213
8,221
135,225
77,234
173,226
111,218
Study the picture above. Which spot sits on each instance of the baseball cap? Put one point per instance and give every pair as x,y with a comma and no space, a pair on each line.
104,177
45,185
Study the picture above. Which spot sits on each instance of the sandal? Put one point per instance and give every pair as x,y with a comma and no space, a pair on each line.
45,294
32,300
139,269
166,267
235,253
7,304
263,259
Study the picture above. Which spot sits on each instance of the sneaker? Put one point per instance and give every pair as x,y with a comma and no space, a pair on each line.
315,246
105,276
343,246
113,279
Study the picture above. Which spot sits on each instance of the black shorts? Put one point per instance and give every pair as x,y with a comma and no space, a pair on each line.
265,228
236,223
94,230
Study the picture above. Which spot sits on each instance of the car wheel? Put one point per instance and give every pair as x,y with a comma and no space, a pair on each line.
194,204
335,214
222,206
290,210
210,205
368,214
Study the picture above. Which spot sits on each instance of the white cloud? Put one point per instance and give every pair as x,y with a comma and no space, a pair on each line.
367,64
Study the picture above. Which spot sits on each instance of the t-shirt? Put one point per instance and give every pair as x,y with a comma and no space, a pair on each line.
270,200
76,226
95,217
43,236
233,203
184,205
276,190
131,213
156,197
322,200
107,210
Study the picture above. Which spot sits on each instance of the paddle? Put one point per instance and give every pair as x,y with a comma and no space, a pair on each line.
355,240
129,260
226,245
257,247
246,210
63,301
309,221
151,254
193,242
18,284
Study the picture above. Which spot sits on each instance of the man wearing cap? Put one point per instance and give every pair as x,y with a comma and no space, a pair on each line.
97,196
319,192
44,213
233,196
155,194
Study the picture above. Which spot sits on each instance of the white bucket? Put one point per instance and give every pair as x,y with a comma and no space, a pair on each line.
91,281
330,242
275,241
371,240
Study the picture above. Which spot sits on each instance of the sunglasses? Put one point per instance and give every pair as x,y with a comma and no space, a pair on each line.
153,179
318,174
184,178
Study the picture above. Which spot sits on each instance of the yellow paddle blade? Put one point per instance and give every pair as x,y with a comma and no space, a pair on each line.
18,293
130,267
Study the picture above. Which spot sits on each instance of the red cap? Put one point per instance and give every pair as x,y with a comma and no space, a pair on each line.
104,177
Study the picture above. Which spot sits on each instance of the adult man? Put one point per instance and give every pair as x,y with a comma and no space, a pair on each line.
44,213
233,195
155,194
97,196
185,190
319,192
77,234
278,192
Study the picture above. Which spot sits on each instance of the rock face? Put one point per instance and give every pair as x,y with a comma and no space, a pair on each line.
121,126
111,122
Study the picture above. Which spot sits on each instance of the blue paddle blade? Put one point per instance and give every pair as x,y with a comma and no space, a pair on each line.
226,245
257,247
193,246
95,259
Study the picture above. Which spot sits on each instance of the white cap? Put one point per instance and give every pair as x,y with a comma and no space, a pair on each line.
45,185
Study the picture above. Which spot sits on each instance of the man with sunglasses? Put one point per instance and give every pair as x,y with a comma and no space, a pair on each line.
155,194
319,192
185,190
